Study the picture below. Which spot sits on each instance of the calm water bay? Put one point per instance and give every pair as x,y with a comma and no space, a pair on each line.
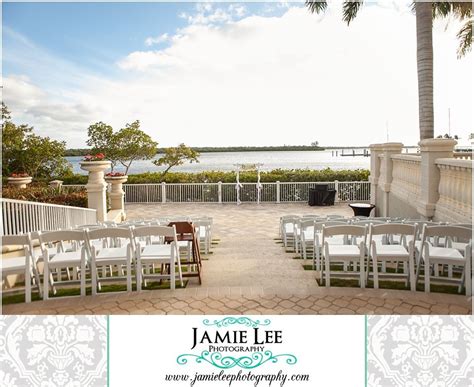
224,161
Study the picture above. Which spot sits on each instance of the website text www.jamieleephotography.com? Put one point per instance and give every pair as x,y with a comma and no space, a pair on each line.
269,379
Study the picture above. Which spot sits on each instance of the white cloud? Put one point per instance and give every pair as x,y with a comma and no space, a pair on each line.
292,79
207,14
150,41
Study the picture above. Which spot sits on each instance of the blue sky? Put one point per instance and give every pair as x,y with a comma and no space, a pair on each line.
95,35
221,74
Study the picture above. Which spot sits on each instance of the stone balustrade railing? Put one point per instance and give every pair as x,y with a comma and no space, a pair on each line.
455,190
406,177
463,155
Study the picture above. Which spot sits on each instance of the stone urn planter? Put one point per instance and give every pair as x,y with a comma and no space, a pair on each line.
116,193
19,181
114,180
96,186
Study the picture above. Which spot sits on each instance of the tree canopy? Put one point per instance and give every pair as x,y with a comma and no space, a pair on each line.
175,156
122,147
25,152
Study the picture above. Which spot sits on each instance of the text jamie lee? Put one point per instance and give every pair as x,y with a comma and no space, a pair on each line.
255,337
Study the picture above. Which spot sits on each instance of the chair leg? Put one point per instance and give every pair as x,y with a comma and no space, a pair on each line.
411,272
83,273
328,270
27,279
129,270
172,272
138,274
468,278
362,270
93,276
427,275
375,270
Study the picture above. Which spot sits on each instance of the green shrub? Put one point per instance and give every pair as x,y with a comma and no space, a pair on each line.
283,175
45,194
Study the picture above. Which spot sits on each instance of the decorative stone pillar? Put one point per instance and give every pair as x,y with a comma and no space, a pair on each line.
117,194
375,152
385,179
432,149
19,181
96,187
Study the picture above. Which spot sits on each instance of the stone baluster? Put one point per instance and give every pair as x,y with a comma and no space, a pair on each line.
432,149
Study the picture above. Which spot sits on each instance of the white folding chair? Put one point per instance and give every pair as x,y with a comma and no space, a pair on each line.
157,254
344,253
24,265
115,254
204,227
456,243
435,255
307,235
333,240
400,252
289,231
59,260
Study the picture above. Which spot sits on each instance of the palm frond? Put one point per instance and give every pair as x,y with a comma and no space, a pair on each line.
350,9
459,9
316,6
465,38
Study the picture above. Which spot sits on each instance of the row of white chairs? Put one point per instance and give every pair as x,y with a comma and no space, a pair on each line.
389,240
73,255
203,225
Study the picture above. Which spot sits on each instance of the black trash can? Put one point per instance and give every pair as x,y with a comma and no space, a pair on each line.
320,195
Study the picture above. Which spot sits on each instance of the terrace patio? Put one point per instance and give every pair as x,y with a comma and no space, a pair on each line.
249,272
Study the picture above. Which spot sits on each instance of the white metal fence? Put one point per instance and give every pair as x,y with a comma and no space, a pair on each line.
20,216
277,192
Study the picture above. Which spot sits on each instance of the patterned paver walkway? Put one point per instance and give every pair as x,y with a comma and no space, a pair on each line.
249,273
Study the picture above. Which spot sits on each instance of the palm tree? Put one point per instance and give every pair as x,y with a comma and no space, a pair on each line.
425,12
462,11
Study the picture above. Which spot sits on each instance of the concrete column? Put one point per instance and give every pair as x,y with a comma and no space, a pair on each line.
96,187
117,194
381,174
432,149
385,179
375,152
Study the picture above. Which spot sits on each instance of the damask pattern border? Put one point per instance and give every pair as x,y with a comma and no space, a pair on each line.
417,351
53,351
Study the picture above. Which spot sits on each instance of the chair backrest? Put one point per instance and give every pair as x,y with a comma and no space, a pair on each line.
24,240
62,235
466,225
144,231
83,226
347,229
182,227
447,231
334,216
393,229
205,222
289,219
16,240
306,224
318,226
112,232
368,222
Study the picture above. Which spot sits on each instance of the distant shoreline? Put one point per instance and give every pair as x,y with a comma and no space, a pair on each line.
210,149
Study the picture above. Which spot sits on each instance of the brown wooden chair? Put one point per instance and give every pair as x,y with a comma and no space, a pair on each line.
186,232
